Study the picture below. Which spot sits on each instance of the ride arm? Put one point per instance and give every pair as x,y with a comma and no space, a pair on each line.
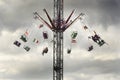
53,25
70,16
43,21
70,23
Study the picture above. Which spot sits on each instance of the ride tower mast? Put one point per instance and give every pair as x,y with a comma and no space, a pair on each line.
58,41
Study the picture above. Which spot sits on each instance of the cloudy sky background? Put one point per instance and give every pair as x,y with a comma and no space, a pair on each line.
103,63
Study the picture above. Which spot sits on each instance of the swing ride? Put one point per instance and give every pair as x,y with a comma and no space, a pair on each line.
57,25
96,38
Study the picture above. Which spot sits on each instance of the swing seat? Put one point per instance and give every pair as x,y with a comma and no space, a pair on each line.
102,42
26,48
45,35
17,43
74,35
90,48
69,51
85,27
73,41
45,50
23,38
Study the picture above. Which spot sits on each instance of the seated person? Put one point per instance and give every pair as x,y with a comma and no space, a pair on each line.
23,38
45,50
101,42
90,48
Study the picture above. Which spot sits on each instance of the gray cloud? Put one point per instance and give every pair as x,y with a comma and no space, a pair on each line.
16,14
104,12
26,67
94,67
111,11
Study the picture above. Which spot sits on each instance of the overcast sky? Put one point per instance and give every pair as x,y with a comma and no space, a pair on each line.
103,63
